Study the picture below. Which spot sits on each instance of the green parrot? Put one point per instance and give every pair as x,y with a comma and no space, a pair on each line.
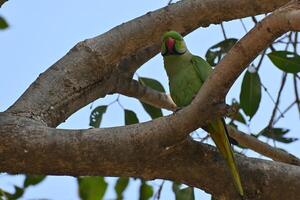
186,74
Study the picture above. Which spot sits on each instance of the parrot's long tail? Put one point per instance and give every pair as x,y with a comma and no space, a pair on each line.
219,134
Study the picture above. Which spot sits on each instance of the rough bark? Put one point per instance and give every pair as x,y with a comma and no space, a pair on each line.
33,148
93,68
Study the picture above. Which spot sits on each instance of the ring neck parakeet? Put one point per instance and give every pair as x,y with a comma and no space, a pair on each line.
187,73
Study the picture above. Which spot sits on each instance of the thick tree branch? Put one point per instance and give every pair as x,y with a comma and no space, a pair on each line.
133,88
34,148
92,67
262,148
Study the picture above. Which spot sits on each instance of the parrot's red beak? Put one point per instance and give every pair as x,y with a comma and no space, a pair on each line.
170,42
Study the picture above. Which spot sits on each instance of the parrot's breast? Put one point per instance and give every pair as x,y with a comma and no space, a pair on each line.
184,84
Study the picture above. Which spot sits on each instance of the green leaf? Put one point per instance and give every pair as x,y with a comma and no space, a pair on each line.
286,61
216,52
16,195
183,194
3,194
152,111
176,186
250,95
146,191
130,117
91,187
96,116
3,23
120,186
154,84
33,180
277,134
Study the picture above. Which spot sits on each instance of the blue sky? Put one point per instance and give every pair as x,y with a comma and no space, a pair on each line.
41,32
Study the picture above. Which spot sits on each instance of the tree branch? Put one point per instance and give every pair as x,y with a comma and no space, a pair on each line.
92,67
133,88
262,148
33,148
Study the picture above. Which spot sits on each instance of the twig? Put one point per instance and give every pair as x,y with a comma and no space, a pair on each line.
272,48
268,93
283,80
114,101
295,42
223,31
261,59
205,138
119,103
254,19
285,111
158,193
281,39
296,93
289,36
294,77
243,25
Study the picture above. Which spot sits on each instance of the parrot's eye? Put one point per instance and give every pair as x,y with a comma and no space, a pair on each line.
180,47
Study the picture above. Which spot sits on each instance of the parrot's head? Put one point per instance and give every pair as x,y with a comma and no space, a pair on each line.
172,44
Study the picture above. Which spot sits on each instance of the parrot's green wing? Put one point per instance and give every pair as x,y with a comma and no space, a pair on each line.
202,68
217,128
